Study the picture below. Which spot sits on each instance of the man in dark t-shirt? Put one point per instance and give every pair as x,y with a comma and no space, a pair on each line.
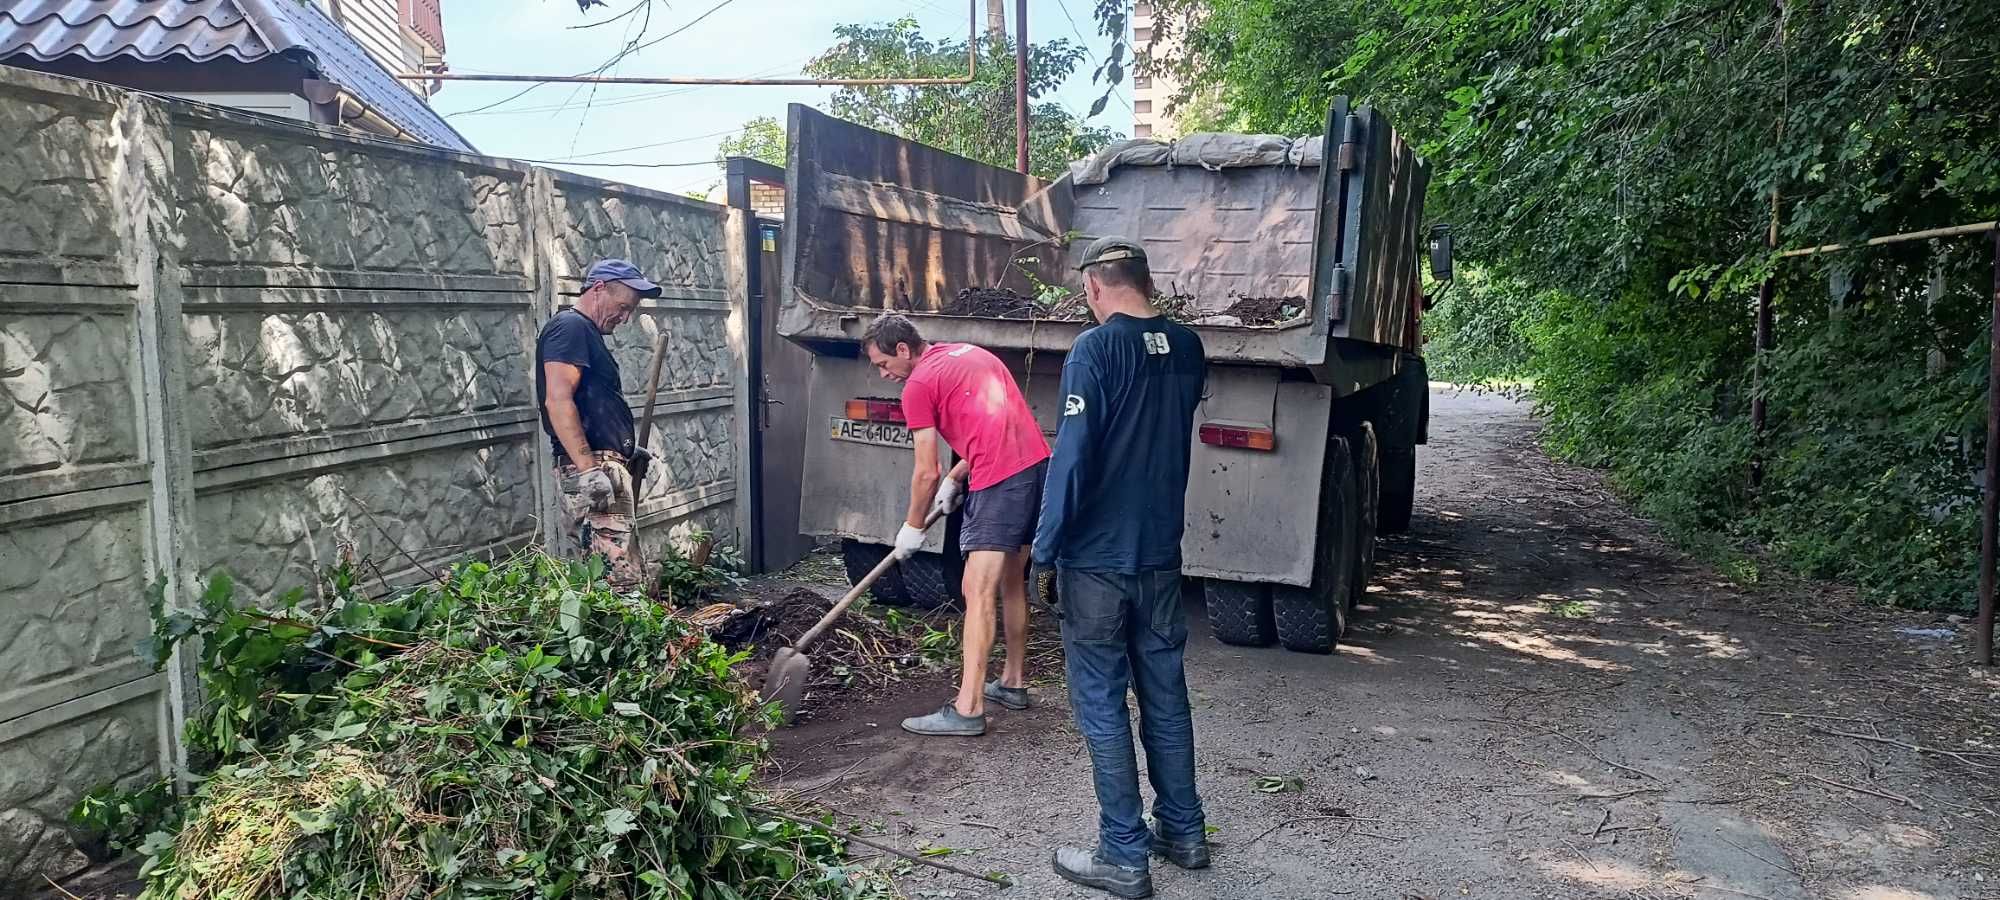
1111,529
587,420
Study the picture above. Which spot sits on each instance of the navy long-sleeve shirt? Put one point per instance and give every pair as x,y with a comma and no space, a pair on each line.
1117,487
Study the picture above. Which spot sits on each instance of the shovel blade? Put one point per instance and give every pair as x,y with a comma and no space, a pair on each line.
785,683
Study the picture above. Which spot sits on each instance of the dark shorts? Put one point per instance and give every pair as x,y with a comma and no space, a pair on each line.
1002,517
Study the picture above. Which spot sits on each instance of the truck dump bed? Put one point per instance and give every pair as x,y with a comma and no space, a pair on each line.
1276,252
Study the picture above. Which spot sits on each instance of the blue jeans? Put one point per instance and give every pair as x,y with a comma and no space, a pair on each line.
1120,629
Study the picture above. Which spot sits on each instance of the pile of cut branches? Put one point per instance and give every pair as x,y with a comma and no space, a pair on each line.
514,730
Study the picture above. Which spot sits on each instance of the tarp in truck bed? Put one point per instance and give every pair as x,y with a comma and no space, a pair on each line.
877,223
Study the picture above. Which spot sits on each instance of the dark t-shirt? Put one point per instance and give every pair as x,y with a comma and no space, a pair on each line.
1117,487
572,338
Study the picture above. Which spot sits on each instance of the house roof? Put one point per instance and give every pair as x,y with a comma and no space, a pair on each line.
205,30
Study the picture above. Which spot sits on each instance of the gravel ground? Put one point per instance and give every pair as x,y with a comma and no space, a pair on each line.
1540,699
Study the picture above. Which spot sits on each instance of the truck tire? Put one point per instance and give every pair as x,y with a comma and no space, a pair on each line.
927,582
1368,484
860,559
1399,489
1239,613
920,582
1312,619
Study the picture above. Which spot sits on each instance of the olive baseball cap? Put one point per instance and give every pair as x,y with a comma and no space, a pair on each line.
1111,249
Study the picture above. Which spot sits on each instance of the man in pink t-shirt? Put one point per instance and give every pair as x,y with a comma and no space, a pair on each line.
966,396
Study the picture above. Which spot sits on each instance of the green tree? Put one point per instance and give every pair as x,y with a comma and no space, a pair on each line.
1615,162
973,120
762,138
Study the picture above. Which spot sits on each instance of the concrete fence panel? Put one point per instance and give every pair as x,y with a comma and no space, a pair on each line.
230,344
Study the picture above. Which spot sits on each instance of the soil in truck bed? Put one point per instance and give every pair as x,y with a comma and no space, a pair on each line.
1002,303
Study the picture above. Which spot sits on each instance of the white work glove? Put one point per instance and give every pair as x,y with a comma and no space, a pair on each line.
596,485
950,496
908,542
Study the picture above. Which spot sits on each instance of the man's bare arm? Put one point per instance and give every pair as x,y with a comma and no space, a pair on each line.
561,379
924,480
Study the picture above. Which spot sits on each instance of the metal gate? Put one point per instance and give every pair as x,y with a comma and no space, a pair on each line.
778,371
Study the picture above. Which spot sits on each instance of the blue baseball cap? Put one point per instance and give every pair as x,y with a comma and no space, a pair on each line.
622,272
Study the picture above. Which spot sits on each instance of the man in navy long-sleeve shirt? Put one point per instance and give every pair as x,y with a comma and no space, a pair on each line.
1111,528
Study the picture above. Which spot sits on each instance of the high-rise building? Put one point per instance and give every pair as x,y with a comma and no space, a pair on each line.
1151,94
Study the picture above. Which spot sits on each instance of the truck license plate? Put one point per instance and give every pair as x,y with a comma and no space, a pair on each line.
881,434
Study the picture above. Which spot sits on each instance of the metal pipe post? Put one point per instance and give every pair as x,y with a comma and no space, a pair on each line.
1021,85
1989,521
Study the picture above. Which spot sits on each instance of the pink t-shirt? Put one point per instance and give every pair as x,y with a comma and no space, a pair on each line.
968,395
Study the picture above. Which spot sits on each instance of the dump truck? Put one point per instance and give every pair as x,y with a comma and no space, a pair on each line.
1295,260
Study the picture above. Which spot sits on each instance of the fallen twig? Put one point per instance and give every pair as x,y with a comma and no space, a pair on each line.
822,785
991,878
1267,831
387,536
1594,832
1755,855
1621,794
1961,756
1711,887
1862,790
63,890
1801,715
1574,740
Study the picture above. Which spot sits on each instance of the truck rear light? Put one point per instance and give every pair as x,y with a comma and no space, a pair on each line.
1247,437
863,409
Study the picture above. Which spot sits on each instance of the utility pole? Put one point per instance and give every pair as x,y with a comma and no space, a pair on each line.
1021,85
996,20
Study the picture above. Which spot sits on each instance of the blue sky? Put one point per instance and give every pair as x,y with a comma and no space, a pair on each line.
742,38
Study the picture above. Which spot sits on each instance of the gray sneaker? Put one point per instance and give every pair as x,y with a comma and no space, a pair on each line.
946,722
1012,698
1086,868
1186,854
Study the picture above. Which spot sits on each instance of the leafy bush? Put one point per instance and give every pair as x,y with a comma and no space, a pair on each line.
516,731
1477,333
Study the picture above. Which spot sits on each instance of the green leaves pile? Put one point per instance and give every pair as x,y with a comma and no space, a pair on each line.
517,731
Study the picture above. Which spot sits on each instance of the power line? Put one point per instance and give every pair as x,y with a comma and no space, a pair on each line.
614,60
1086,49
659,144
618,165
625,101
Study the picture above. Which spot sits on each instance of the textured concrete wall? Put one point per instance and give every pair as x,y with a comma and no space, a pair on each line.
227,345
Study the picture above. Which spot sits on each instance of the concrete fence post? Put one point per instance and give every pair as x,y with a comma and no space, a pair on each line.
736,236
148,252
545,243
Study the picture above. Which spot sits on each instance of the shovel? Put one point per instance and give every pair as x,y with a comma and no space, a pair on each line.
791,668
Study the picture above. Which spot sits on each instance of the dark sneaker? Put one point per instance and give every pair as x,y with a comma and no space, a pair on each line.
1186,854
1085,868
1012,698
946,722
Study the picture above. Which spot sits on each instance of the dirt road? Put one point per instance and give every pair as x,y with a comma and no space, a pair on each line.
1539,700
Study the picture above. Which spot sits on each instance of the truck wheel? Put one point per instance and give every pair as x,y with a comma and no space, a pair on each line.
1239,612
1399,488
1312,619
861,558
927,582
1368,483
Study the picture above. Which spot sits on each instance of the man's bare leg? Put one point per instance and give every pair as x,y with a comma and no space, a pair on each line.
982,589
1014,612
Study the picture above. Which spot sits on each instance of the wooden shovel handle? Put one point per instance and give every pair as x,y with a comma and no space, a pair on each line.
860,587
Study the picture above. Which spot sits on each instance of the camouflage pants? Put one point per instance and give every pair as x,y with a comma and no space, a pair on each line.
612,533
